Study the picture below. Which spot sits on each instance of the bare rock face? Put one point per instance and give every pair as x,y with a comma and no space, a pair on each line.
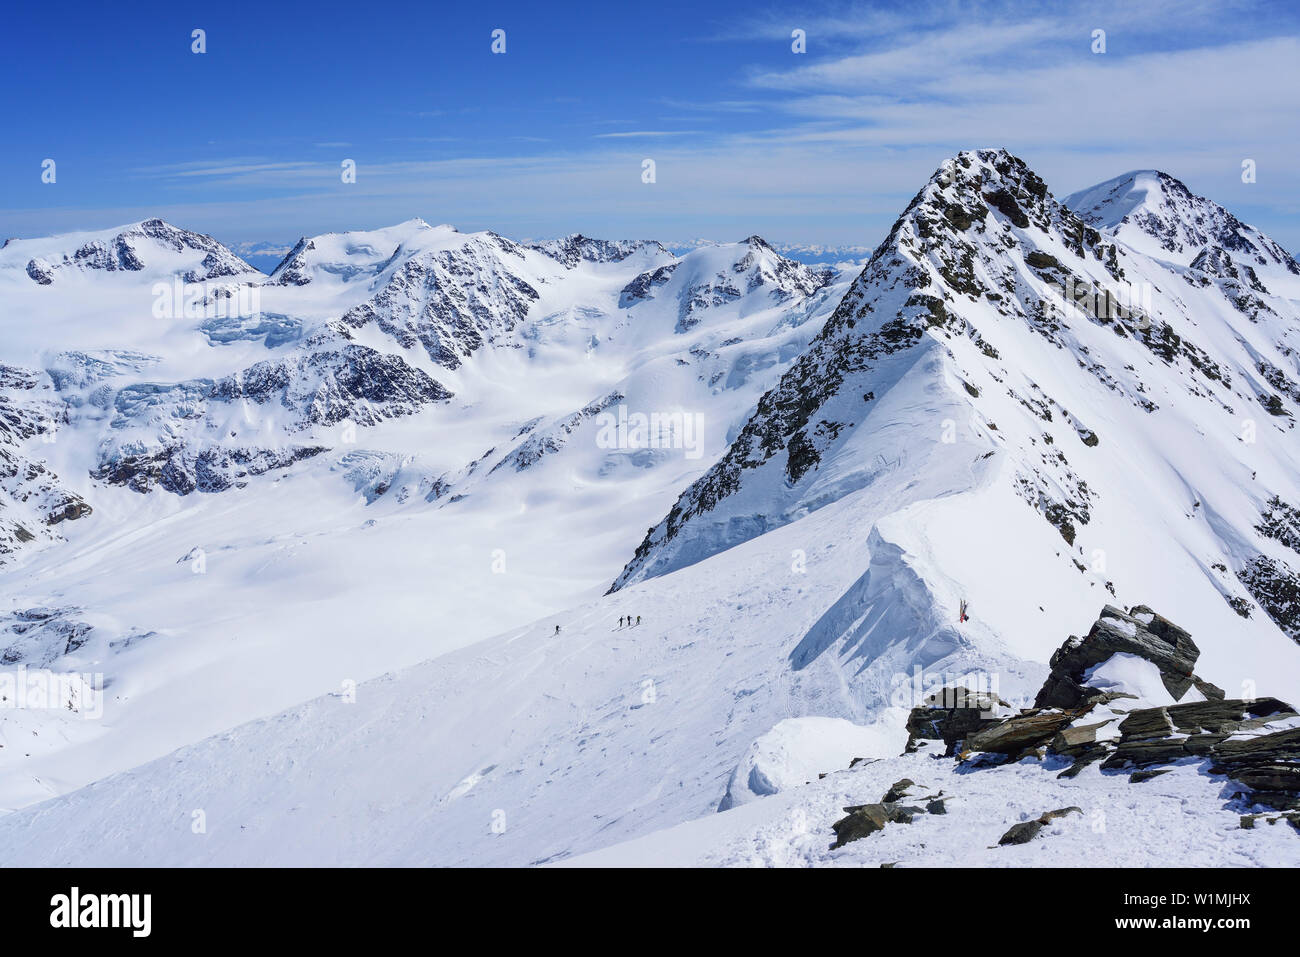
951,715
863,820
1140,632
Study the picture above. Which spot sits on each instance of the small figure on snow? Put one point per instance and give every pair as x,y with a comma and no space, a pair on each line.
638,619
557,629
961,611
620,622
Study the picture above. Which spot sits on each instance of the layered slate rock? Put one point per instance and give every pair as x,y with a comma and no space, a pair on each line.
952,714
1255,743
1140,632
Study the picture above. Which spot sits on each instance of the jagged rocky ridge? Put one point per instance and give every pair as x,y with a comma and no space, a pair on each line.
982,255
577,248
929,258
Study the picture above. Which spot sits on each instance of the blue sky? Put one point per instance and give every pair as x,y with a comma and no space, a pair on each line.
246,140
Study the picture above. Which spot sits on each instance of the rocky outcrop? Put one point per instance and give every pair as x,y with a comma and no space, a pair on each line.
1141,632
1276,586
181,469
578,248
132,249
160,430
863,820
33,499
953,714
1254,743
450,302
644,285
42,635
1026,831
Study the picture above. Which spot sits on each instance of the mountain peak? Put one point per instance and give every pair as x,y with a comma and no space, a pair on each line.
576,248
1110,203
151,244
1157,214
965,187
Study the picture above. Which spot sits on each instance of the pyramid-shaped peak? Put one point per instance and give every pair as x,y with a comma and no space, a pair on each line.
988,170
1109,203
1157,214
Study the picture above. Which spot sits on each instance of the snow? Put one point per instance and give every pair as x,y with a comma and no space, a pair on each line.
353,659
1120,824
374,583
796,750
1129,674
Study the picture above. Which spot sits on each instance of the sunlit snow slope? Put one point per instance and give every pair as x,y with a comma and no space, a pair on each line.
1010,406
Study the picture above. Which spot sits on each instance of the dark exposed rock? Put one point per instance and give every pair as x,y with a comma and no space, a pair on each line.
122,253
42,635
1026,831
1141,632
179,470
643,286
898,790
1137,777
1254,743
864,820
1020,734
40,271
1004,202
1276,586
1077,735
578,248
450,302
1248,820
952,714
1021,833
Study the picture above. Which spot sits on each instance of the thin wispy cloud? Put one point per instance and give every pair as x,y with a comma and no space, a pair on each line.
824,146
644,134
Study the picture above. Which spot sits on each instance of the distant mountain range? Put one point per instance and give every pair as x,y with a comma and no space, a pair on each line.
811,473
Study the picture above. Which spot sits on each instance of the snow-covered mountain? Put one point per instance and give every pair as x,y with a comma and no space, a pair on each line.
1156,214
151,246
413,400
412,448
1058,366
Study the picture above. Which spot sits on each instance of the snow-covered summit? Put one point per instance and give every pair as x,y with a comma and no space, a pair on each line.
997,349
151,246
1158,215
